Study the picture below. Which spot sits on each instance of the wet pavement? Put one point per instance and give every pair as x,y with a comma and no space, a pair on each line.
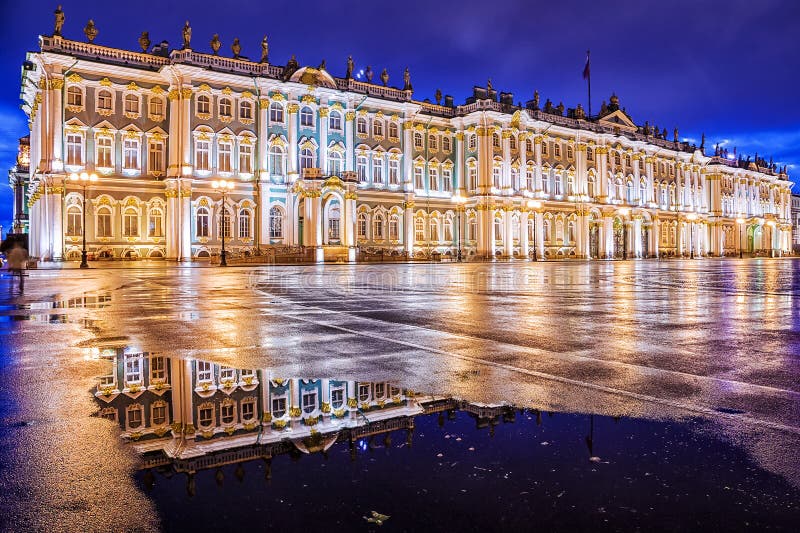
666,393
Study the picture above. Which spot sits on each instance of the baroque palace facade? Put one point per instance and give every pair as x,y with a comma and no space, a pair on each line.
341,168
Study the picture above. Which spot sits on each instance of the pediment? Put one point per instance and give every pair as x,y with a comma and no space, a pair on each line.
619,119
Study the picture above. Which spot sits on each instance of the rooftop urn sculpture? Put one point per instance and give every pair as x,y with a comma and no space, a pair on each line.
144,41
215,44
536,100
90,31
322,65
368,74
236,48
384,77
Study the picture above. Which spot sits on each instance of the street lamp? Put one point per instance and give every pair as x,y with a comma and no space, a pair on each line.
741,221
535,205
222,187
692,217
459,201
624,212
84,179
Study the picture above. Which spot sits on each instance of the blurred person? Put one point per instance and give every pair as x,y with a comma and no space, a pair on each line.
17,259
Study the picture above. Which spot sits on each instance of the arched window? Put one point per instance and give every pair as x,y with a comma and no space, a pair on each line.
275,113
203,105
361,126
335,161
361,226
642,192
472,142
335,121
571,231
306,158
448,229
131,104
134,415
419,229
433,229
74,96
630,192
590,187
394,227
531,229
201,222
225,223
225,108
498,229
515,178
306,117
74,221
277,161
130,222
546,182
104,100
546,230
433,142
529,146
472,229
155,222
245,218
559,231
393,131
418,140
496,140
104,227
377,128
361,168
156,107
377,227
246,110
276,223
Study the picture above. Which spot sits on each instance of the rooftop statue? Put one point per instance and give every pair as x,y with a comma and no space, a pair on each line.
144,41
350,66
322,65
385,77
535,100
406,80
489,85
236,48
675,135
438,96
187,35
264,50
215,43
59,21
90,31
368,74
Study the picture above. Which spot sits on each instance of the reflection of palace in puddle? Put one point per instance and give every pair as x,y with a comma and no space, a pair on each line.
194,414
43,311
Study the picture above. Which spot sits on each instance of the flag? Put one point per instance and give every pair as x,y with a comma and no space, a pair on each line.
586,68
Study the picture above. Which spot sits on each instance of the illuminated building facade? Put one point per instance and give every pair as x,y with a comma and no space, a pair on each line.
342,168
796,222
18,179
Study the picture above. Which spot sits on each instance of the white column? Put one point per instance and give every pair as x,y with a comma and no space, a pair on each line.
349,163
524,245
186,221
538,222
508,239
173,219
292,109
323,139
408,225
537,170
505,183
459,166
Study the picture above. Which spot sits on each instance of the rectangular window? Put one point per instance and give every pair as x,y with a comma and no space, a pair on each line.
104,153
224,163
433,142
419,182
278,407
156,107
363,392
248,409
155,156
309,401
204,371
158,367
74,149
245,158
206,416
159,415
447,180
133,368
447,144
394,172
337,398
557,150
394,228
227,373
377,171
202,155
393,130
130,154
134,417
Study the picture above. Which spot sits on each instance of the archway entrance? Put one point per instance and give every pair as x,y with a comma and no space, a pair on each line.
646,242
594,239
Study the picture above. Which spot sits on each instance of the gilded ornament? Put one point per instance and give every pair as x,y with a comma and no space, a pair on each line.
352,403
323,112
132,86
227,91
349,116
308,99
144,41
295,412
174,94
293,107
90,30
186,93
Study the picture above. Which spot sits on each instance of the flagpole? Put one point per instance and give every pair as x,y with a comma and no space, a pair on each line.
589,80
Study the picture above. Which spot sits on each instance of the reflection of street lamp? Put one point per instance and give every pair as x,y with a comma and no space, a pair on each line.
771,224
459,201
85,179
624,212
741,221
535,205
222,187
692,217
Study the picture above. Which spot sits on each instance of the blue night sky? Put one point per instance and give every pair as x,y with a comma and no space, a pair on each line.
729,69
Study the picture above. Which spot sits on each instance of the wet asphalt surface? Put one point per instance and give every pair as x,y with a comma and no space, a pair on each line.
710,340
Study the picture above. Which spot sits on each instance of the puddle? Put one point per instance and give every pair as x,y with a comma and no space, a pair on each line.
221,447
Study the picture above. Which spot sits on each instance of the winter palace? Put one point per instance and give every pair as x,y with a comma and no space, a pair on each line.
160,153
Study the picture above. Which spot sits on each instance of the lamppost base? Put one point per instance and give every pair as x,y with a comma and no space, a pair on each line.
223,262
84,261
